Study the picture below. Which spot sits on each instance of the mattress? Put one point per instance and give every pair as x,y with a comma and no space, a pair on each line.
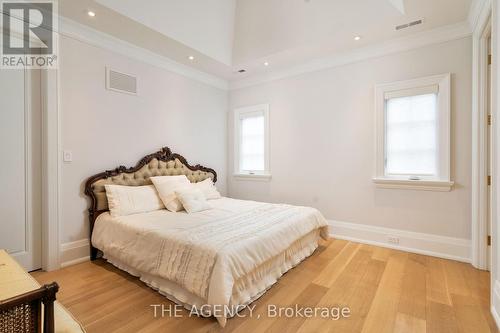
226,256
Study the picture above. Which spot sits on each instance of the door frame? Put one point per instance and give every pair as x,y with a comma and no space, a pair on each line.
51,163
51,170
480,35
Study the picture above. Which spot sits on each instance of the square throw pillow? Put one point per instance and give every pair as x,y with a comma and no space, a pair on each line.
193,200
166,187
126,200
208,188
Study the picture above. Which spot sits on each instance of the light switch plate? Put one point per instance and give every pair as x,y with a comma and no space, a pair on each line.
67,156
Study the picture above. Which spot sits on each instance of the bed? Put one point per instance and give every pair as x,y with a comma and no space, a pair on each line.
215,261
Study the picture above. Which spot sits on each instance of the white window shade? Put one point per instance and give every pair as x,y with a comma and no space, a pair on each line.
433,89
252,151
411,136
251,142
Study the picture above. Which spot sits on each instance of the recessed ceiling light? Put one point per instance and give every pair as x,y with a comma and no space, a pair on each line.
357,38
266,63
191,57
91,13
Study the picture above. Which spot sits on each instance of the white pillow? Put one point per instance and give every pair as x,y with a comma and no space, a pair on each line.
193,200
126,200
166,187
208,188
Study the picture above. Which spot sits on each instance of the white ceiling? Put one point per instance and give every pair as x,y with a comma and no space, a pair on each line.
296,30
207,25
228,35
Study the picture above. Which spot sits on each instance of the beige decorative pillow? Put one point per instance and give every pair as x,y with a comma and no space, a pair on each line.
166,187
208,188
127,200
192,199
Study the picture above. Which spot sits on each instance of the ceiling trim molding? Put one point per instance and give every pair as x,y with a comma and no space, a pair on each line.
477,9
415,41
85,34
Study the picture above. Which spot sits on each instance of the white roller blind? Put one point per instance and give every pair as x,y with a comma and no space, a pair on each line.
425,90
411,125
252,142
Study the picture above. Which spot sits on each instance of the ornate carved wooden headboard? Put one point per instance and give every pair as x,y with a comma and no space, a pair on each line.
161,163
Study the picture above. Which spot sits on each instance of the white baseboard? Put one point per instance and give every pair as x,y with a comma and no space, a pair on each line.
495,304
73,253
438,246
415,242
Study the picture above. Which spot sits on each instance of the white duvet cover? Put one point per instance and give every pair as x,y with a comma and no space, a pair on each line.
208,251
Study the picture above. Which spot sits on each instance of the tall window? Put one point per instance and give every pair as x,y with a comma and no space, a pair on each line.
251,141
413,135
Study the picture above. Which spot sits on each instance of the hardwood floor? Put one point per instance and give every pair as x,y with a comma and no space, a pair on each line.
385,290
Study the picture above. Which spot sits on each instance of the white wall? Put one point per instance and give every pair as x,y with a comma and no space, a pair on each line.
105,129
322,143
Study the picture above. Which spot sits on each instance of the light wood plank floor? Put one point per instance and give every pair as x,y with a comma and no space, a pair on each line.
386,291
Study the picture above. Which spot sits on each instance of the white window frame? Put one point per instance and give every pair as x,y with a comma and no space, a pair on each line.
443,182
238,114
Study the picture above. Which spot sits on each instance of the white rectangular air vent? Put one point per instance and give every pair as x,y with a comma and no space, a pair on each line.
410,24
121,82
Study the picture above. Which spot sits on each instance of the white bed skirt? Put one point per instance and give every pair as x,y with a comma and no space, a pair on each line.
246,290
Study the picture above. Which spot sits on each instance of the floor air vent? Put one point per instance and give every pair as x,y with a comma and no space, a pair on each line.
121,82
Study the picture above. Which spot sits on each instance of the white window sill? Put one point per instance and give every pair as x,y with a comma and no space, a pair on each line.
423,185
255,177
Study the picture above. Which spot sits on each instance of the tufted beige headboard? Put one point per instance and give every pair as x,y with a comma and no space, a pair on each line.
161,163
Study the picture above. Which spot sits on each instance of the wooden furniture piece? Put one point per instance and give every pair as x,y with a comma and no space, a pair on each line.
23,313
25,306
161,163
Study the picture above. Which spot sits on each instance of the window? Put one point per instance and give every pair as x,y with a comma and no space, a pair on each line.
251,129
413,134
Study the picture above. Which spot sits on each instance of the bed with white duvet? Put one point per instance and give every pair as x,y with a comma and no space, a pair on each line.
218,259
